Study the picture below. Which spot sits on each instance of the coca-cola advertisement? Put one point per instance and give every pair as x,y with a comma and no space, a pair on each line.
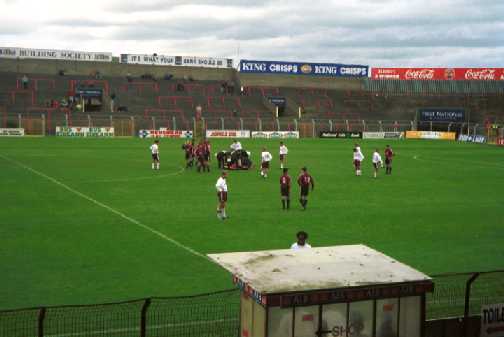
447,74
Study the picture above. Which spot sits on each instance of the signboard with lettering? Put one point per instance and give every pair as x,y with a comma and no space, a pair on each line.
492,320
303,68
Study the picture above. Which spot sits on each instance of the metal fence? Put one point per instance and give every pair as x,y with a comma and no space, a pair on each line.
209,315
217,314
128,125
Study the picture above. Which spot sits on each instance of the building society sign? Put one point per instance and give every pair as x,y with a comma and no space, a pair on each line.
84,131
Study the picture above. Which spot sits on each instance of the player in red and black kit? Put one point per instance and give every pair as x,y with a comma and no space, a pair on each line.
285,185
200,156
305,180
189,153
388,159
206,155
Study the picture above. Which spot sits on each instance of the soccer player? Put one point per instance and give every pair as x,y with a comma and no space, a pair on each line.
285,185
236,145
265,162
189,153
155,155
200,155
301,243
222,191
283,154
377,162
358,157
305,180
388,160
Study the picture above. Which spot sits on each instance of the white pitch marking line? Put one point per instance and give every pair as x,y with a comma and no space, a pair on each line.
136,178
110,209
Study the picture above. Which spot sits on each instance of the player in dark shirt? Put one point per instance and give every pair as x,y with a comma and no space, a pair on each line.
285,184
388,159
200,156
305,180
189,154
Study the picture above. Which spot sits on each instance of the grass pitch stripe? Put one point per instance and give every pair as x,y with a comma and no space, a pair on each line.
110,209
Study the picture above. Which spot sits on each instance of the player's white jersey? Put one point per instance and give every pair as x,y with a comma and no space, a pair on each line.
376,158
295,246
284,150
154,149
221,185
236,146
358,156
266,156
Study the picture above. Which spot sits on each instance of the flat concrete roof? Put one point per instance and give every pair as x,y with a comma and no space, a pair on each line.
287,270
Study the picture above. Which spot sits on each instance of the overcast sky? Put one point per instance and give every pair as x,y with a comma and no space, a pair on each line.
440,33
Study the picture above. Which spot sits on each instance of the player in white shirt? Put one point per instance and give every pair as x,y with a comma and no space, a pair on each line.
236,145
283,154
358,157
265,162
377,162
222,191
155,155
301,243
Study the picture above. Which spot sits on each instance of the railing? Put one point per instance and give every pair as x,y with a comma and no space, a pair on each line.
217,314
36,123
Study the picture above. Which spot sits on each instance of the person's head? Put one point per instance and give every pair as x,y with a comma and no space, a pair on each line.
264,149
376,150
304,169
356,145
388,146
301,236
281,143
285,171
235,141
156,141
355,149
224,174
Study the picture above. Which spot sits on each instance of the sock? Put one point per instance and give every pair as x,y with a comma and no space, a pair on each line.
281,165
153,166
157,166
219,214
305,203
224,215
283,204
288,203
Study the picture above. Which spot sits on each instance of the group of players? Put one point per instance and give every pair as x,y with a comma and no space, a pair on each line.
304,180
201,152
376,159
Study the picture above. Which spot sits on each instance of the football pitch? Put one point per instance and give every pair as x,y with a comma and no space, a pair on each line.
87,220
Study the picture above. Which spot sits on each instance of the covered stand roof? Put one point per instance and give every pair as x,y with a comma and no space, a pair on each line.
284,271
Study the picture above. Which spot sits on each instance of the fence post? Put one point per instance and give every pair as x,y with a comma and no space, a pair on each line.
241,123
259,122
347,125
381,126
467,297
363,125
143,317
40,327
462,128
296,125
449,127
66,120
174,123
43,125
20,120
474,130
222,123
313,128
153,123
111,121
331,125
278,124
132,126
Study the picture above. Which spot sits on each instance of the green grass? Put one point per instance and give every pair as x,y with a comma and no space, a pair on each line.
441,211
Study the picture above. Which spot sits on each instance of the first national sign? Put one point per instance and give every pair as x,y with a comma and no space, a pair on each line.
492,320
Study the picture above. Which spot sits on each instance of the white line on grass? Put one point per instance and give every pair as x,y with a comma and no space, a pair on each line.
154,176
110,209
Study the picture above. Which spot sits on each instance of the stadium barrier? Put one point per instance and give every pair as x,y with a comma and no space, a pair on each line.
453,309
129,125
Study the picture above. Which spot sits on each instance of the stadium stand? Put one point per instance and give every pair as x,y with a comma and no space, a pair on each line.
162,96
